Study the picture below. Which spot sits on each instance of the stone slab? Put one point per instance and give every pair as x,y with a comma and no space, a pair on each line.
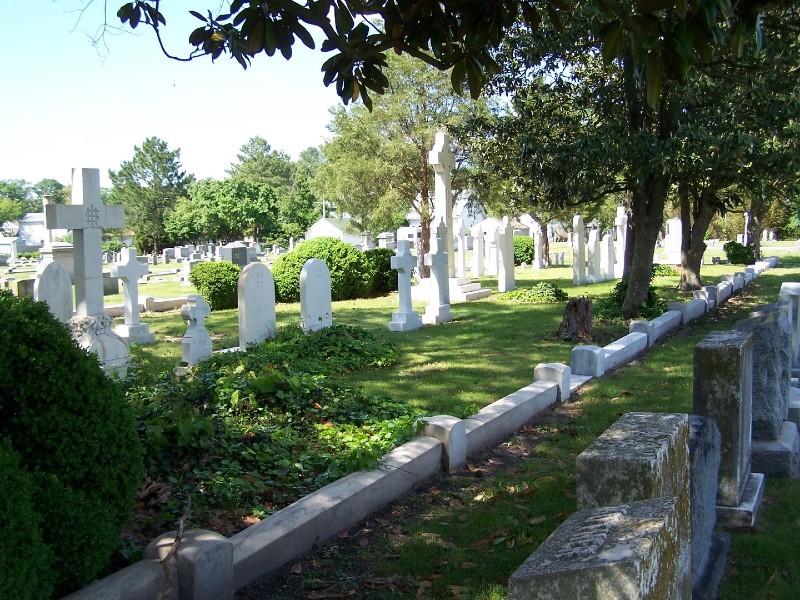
624,350
658,327
265,547
588,360
704,453
746,513
143,580
452,433
779,457
558,373
724,291
705,583
504,417
629,551
691,310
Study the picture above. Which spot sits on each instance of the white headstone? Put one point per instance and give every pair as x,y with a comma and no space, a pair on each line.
607,258
442,159
578,251
538,245
406,318
594,256
54,288
196,344
621,227
478,251
315,296
257,320
129,270
492,252
505,257
461,267
438,309
673,240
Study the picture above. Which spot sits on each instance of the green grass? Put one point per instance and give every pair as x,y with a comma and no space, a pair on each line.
467,533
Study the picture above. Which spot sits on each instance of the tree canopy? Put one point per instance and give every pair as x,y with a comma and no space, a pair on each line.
148,186
662,37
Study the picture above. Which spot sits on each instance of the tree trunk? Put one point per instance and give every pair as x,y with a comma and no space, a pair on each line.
425,215
576,326
695,220
545,247
756,229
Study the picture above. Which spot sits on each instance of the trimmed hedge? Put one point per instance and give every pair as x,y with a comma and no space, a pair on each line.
384,278
351,276
218,283
76,440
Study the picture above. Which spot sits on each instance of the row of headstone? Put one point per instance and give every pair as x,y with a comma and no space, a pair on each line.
600,259
257,318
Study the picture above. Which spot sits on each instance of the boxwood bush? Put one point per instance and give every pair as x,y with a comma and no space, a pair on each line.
384,278
737,254
523,250
76,442
218,283
351,276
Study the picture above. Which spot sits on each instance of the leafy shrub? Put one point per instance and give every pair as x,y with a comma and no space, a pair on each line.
24,557
737,254
541,293
664,271
266,426
112,246
609,308
350,273
523,250
75,436
218,283
384,278
29,255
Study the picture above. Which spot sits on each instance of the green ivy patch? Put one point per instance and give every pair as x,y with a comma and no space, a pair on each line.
540,293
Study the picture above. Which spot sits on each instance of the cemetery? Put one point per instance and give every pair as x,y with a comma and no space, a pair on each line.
251,517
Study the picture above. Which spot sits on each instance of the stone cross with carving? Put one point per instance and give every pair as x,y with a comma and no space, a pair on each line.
86,217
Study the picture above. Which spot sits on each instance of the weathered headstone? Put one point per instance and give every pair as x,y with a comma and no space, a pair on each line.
505,257
438,308
129,270
442,159
641,456
86,217
406,318
578,251
55,289
538,246
776,441
593,259
196,343
315,296
723,368
709,548
257,321
630,551
673,240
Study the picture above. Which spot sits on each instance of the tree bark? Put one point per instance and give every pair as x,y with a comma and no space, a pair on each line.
576,326
545,246
696,217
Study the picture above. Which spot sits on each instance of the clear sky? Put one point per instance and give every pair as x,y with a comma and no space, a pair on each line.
65,103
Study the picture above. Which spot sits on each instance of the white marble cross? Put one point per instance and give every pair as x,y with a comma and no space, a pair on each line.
406,318
442,159
86,217
438,308
461,267
196,343
129,270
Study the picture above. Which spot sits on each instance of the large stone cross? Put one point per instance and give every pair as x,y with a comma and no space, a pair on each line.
442,159
86,217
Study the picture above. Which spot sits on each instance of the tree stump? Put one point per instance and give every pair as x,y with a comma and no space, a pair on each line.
576,326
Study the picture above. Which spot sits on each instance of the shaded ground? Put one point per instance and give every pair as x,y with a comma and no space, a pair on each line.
338,568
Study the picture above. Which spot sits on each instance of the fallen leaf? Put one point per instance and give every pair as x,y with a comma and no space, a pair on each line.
499,541
384,581
562,516
423,585
455,503
363,542
342,534
327,595
296,569
463,517
468,565
456,590
537,520
473,468
384,522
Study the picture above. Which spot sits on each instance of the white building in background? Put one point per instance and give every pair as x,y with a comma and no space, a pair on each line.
465,207
33,234
340,228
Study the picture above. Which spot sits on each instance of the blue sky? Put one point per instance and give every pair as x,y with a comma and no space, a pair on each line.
68,104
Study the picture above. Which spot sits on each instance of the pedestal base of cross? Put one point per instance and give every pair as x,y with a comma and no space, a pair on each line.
139,333
94,335
405,321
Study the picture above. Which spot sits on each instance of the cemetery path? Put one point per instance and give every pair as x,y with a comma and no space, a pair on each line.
338,569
